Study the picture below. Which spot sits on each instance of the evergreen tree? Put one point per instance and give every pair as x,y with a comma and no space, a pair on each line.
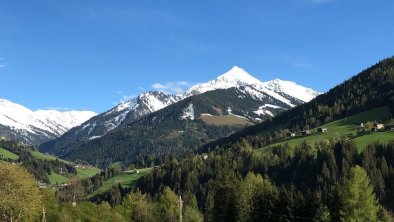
358,200
168,203
247,191
322,214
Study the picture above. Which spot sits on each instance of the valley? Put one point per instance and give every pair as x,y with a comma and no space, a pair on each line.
197,111
226,145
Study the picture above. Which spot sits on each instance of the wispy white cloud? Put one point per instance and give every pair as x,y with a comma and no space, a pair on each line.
61,109
172,87
126,98
191,44
2,63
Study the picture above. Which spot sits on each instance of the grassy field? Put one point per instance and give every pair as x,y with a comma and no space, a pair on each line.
56,178
43,156
225,120
125,179
344,128
87,172
8,154
81,173
382,137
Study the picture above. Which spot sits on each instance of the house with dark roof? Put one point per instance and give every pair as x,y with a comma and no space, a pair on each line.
305,132
322,130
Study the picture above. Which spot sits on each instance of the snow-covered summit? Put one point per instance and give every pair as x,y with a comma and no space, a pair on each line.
46,123
238,77
68,119
233,78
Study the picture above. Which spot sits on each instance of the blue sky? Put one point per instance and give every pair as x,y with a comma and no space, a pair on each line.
92,54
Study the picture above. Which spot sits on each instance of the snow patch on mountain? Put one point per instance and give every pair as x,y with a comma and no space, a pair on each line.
230,112
271,106
264,109
156,102
188,112
259,92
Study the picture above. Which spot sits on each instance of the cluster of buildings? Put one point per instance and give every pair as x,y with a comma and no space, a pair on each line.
377,127
306,132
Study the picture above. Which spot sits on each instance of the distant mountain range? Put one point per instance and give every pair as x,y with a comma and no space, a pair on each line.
278,95
203,113
34,127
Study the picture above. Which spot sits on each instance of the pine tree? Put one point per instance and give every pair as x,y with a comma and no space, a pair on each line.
248,189
358,200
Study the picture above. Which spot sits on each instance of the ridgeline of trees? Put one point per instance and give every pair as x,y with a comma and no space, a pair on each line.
329,182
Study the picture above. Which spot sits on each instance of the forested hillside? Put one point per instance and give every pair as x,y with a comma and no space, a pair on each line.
372,88
312,183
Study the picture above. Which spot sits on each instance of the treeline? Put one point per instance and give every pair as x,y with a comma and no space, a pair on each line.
321,183
40,169
372,88
134,207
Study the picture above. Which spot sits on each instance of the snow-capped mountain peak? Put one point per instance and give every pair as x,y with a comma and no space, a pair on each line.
19,122
235,77
238,77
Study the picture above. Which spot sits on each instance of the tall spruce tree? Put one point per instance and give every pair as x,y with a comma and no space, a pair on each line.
358,200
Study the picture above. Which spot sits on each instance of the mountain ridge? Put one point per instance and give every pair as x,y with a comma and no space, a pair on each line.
176,128
152,101
272,92
34,127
